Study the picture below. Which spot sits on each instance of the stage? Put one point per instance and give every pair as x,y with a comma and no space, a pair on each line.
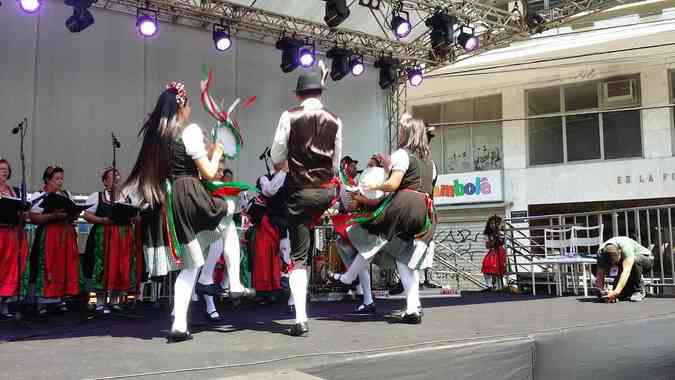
477,336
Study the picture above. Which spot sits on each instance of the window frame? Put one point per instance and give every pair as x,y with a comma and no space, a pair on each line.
599,110
469,124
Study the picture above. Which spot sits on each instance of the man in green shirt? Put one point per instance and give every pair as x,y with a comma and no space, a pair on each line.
631,259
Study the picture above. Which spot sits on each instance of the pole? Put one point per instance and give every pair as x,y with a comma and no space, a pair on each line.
18,318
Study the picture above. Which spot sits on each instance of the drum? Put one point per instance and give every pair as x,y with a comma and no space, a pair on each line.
372,175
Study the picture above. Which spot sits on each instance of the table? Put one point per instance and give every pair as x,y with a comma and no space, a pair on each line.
560,262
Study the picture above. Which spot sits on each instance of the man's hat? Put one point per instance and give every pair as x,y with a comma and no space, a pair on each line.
348,160
309,81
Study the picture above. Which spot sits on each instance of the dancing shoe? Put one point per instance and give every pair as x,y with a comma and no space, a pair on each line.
299,329
411,319
209,290
399,312
334,280
176,336
213,316
248,293
365,309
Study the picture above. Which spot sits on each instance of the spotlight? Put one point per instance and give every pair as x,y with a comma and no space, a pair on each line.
81,18
336,12
307,55
388,71
443,29
221,37
146,22
29,6
341,62
399,24
289,53
357,66
372,4
535,22
467,39
415,76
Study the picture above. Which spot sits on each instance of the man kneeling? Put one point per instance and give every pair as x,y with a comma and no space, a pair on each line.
631,259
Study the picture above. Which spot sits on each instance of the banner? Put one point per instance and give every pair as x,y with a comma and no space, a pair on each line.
471,187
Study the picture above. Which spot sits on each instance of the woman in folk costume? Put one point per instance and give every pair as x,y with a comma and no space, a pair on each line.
404,218
110,258
167,172
494,262
13,242
54,258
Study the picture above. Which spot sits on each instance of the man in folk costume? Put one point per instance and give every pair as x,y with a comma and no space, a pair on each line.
310,137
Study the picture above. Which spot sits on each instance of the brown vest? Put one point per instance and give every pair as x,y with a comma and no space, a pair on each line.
311,144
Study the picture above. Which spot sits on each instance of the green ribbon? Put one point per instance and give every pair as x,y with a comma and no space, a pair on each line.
178,250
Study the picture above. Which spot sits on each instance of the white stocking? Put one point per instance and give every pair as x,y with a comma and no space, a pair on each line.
232,257
364,281
488,280
185,282
359,265
411,284
206,277
298,284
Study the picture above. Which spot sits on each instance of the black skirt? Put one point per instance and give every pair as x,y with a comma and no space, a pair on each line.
199,218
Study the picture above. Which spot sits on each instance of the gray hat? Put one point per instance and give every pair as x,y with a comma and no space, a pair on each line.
309,81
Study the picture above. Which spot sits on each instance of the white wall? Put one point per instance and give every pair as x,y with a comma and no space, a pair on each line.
78,88
583,181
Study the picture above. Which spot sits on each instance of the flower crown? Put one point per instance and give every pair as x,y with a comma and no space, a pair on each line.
181,92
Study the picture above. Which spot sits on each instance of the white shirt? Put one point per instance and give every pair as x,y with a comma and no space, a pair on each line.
193,139
279,151
270,187
37,206
400,161
93,200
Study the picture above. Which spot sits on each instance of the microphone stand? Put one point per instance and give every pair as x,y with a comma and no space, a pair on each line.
20,230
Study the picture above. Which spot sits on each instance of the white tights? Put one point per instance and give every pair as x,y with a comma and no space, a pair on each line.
185,282
298,283
411,285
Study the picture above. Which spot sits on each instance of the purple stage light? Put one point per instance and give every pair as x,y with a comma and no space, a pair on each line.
415,77
146,22
307,56
30,6
357,67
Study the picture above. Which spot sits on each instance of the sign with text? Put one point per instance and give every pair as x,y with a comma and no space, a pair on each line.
471,187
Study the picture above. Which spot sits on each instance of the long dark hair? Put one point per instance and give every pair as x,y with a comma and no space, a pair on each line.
489,230
414,136
151,169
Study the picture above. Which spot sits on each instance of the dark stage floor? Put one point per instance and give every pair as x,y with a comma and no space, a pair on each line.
251,344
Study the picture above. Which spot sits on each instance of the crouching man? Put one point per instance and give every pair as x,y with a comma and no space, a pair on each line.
630,259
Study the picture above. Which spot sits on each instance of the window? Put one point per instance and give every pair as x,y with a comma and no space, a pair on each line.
574,122
671,74
466,147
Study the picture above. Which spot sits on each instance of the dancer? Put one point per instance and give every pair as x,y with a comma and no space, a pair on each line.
494,262
166,172
310,138
404,220
13,242
54,257
109,261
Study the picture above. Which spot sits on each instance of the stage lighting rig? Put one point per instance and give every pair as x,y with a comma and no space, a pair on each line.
443,29
146,21
340,66
467,38
81,18
399,24
29,6
221,36
289,53
415,76
388,71
337,12
372,4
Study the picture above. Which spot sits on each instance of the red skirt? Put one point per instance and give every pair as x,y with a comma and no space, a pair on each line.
115,258
58,266
266,274
9,265
494,262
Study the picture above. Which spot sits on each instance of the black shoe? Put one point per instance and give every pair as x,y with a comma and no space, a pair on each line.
209,290
486,290
334,279
410,319
299,329
248,293
214,316
177,336
290,309
398,312
365,309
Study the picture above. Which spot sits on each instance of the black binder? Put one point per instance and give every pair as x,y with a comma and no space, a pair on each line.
53,202
123,212
10,208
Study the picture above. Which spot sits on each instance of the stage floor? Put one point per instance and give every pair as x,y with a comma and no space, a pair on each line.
251,343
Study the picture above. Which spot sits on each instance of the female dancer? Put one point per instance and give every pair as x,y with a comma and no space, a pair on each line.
494,262
54,258
405,216
13,241
110,256
167,171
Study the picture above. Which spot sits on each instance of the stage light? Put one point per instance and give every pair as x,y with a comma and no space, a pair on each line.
341,62
221,37
81,18
415,76
443,30
289,53
30,6
399,24
357,66
146,22
467,39
388,71
372,4
337,11
307,55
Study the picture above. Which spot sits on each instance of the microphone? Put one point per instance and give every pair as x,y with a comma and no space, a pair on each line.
264,153
19,127
115,142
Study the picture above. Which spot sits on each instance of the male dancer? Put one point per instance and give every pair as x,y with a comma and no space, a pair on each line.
310,138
